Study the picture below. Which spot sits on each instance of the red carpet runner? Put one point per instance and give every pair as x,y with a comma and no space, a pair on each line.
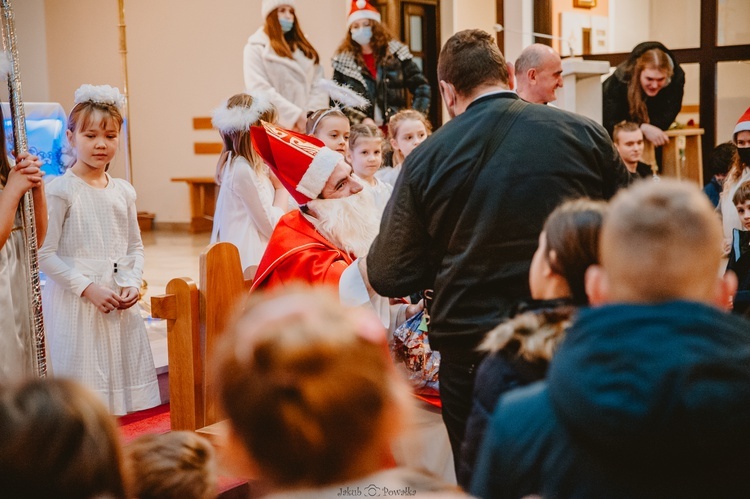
154,420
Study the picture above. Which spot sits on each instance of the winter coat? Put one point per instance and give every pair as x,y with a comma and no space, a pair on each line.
396,73
485,270
289,83
640,401
662,108
505,368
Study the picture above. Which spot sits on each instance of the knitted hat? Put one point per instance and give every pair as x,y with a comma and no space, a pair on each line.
743,124
269,5
302,163
361,9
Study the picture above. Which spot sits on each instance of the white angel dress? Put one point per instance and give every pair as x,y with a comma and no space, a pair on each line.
245,215
93,237
16,335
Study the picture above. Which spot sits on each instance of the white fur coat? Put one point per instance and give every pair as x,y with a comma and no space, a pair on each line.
290,83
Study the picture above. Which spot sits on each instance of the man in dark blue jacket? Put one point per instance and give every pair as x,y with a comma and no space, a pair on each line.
649,394
472,240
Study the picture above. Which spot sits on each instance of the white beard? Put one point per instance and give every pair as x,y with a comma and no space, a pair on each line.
350,223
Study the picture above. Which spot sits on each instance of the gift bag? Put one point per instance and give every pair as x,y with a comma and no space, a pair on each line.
411,352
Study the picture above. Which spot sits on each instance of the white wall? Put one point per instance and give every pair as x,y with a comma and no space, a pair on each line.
734,97
32,49
628,26
184,58
474,14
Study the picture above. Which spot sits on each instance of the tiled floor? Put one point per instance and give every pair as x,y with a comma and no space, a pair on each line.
168,255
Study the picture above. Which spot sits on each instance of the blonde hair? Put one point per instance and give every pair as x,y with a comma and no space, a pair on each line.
83,114
654,59
305,390
661,241
363,131
58,440
315,118
239,143
174,465
396,121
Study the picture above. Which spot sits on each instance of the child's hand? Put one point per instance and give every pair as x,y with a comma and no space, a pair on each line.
103,298
24,176
128,297
412,310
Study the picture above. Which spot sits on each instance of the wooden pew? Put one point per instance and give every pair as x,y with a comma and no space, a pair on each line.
196,317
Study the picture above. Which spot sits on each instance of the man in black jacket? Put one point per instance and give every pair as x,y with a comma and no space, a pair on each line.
548,155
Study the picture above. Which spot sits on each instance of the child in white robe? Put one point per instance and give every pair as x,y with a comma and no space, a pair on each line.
93,259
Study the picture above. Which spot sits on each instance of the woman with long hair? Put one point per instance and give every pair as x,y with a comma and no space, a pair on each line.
646,89
373,63
281,62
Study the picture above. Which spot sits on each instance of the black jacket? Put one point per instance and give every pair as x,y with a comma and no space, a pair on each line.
640,401
548,156
504,369
397,72
662,108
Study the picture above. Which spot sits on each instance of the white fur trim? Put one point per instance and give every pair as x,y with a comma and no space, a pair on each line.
269,5
100,94
342,95
6,65
240,118
312,182
363,14
742,126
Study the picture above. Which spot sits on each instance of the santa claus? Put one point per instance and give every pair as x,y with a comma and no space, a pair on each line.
337,219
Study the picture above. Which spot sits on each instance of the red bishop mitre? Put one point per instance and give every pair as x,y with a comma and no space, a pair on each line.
300,162
362,9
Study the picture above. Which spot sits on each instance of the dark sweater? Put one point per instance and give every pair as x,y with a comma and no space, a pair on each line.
662,108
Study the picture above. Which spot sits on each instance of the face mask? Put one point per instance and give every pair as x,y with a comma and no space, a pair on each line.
744,154
362,35
286,25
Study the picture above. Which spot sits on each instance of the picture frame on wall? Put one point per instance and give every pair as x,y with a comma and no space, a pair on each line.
584,4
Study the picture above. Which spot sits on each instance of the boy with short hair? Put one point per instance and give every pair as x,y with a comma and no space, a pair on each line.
739,253
628,139
649,394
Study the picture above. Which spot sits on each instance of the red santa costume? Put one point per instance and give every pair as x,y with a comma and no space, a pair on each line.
297,251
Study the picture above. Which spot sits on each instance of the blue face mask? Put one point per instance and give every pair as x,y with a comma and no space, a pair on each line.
286,25
362,35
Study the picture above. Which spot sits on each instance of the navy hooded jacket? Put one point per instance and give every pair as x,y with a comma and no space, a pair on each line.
640,401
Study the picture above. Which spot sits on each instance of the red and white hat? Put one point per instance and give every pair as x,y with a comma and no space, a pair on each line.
268,6
302,163
743,124
361,9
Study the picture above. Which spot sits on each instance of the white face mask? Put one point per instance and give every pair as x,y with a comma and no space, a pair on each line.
362,35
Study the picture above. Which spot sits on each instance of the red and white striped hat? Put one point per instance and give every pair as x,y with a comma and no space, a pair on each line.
300,162
361,9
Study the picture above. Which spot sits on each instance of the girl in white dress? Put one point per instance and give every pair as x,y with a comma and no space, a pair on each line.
93,259
17,359
251,200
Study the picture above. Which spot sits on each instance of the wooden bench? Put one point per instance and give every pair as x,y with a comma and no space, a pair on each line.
203,193
196,318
